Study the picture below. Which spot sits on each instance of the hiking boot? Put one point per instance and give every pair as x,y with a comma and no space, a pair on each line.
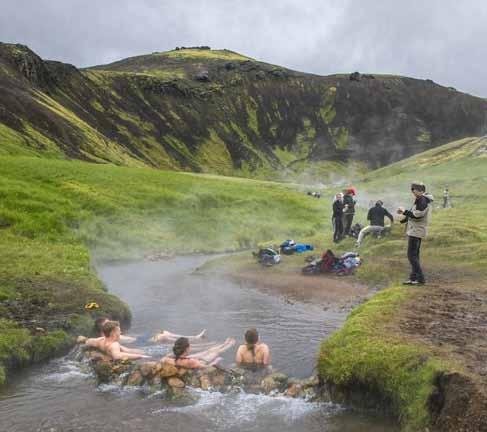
410,282
413,282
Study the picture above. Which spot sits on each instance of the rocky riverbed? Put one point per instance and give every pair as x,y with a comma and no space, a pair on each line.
172,381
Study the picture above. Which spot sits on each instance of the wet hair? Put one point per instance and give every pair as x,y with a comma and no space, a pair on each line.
418,186
99,322
180,346
251,339
379,203
109,326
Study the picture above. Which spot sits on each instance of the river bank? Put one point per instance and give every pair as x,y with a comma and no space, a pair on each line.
63,394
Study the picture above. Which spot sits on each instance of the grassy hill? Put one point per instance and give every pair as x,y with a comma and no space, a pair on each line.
220,112
420,351
56,216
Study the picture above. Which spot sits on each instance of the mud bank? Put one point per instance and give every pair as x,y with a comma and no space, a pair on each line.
286,279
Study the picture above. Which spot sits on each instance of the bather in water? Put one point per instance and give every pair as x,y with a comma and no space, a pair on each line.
209,357
253,354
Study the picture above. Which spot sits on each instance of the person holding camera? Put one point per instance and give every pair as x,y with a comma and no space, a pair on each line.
417,220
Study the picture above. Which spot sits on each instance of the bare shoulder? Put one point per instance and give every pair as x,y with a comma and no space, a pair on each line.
191,363
114,346
264,347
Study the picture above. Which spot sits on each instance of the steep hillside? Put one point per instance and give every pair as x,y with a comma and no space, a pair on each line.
217,111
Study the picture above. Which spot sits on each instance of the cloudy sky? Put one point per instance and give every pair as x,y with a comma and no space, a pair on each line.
444,40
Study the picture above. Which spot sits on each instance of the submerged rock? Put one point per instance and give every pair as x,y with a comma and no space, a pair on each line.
172,381
135,379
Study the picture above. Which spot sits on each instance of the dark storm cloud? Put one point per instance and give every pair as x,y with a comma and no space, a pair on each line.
439,39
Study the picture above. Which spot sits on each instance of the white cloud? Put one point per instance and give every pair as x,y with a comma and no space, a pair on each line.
439,39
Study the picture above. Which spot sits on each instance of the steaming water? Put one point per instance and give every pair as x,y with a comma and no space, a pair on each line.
62,396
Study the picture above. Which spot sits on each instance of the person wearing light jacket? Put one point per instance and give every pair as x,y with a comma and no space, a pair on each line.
417,219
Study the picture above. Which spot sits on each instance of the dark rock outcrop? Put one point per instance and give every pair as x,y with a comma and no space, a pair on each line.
218,111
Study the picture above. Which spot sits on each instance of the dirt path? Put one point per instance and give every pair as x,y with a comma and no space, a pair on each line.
450,315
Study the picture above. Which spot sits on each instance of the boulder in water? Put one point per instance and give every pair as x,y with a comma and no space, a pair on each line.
269,384
167,370
135,379
176,382
148,369
294,390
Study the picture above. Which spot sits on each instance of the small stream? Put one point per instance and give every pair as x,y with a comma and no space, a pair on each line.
61,395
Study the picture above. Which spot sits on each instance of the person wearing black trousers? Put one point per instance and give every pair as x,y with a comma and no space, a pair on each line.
348,210
417,219
337,218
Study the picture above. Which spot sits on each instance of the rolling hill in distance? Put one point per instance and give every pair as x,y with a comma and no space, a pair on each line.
217,111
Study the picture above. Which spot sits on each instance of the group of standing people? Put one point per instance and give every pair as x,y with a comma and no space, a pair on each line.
416,220
343,213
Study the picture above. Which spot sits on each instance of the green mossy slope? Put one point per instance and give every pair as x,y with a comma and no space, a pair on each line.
217,111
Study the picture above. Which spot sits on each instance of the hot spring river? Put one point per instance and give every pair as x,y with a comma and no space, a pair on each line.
62,396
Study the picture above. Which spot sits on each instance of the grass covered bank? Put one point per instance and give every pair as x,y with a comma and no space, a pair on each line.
420,351
55,216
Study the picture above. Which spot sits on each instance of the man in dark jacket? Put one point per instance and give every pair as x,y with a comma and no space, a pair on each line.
337,218
376,217
417,220
348,209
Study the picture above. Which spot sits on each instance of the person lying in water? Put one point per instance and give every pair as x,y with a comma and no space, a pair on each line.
209,357
253,353
166,336
109,344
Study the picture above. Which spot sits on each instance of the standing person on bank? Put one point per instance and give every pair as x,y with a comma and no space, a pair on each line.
417,219
348,209
337,218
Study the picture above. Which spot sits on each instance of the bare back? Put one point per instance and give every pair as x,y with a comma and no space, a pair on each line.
260,355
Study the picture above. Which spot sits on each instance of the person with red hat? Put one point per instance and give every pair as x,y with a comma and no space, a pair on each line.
348,209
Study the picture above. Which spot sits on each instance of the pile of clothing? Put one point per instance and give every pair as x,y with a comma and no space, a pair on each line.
329,263
289,247
267,256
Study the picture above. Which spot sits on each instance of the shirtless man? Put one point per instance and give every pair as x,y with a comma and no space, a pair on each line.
110,344
253,353
167,337
100,322
210,357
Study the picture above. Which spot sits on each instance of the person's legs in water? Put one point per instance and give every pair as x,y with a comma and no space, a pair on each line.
414,246
166,336
211,354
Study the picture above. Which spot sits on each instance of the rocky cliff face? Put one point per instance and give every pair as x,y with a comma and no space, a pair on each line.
217,111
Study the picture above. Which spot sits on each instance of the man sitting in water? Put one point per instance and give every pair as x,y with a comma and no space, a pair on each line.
253,353
100,322
210,357
166,337
109,344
